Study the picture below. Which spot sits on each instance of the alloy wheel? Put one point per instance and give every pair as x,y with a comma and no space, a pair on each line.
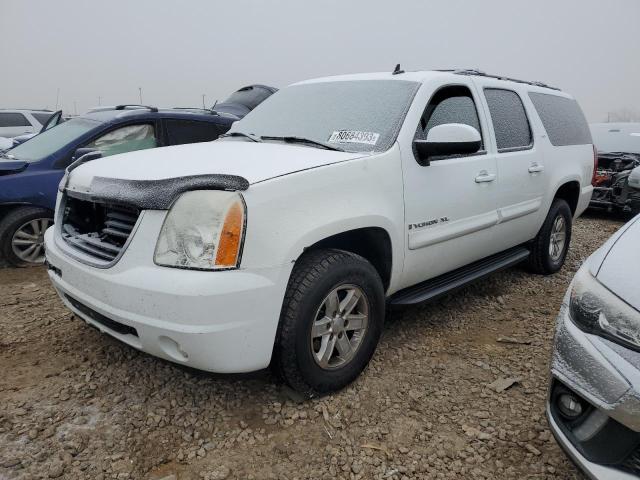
558,238
339,327
28,240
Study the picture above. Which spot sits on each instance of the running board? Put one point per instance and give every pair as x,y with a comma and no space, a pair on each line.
456,279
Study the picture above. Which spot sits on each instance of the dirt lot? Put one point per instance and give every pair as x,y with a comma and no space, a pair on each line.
79,405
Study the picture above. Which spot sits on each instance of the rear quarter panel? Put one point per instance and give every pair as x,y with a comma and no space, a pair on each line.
562,164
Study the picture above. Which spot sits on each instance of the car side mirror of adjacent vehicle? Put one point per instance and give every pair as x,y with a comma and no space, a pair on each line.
448,139
81,152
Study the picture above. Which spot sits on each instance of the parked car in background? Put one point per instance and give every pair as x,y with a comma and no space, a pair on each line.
282,243
595,389
53,120
617,178
31,172
21,122
241,102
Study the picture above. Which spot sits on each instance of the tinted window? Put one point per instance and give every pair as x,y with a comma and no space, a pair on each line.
42,117
125,139
509,119
356,115
189,131
449,105
13,120
562,119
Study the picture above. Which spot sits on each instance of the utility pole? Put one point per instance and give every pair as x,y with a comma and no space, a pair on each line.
57,97
203,104
99,100
140,92
75,108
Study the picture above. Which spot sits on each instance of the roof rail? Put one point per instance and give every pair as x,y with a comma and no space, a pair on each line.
127,105
196,109
475,72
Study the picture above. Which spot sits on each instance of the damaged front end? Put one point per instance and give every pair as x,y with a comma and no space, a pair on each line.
617,182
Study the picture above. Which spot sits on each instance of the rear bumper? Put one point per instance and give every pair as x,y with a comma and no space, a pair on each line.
215,321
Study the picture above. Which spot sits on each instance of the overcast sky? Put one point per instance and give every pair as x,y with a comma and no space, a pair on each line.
177,51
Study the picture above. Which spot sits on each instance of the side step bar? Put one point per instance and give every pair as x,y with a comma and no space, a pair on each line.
456,279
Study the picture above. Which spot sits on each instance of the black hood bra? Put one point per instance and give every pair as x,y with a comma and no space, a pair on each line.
155,194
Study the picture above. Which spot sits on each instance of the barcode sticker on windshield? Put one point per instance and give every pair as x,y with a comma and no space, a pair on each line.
354,136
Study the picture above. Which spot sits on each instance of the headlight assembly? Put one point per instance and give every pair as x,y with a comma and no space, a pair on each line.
595,309
204,230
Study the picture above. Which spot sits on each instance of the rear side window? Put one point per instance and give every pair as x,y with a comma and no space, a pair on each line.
509,119
562,119
449,105
189,131
13,120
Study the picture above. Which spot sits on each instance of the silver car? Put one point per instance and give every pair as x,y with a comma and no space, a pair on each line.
594,396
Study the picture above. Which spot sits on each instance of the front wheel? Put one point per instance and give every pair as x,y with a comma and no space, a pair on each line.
549,248
22,236
330,323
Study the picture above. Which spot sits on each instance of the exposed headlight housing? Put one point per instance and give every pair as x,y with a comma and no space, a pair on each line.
595,309
204,230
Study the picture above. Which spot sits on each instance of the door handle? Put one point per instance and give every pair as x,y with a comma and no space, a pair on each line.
536,168
485,176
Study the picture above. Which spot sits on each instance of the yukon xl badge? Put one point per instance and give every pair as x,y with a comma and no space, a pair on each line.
428,223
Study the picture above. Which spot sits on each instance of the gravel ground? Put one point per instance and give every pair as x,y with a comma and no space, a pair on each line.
76,404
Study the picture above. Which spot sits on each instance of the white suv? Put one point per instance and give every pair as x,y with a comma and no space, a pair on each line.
281,243
21,122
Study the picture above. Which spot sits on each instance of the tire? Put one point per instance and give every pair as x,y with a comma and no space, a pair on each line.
31,223
542,261
314,280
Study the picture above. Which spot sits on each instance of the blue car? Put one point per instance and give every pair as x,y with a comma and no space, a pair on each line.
31,172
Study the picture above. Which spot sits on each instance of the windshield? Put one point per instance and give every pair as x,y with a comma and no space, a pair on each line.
356,116
52,140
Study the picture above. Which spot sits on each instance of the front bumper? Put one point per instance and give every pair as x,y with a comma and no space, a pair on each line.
222,321
606,378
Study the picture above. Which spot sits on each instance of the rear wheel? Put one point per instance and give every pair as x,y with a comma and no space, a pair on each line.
330,323
549,248
22,236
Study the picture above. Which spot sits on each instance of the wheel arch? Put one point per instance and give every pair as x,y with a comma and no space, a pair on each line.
372,243
569,191
5,208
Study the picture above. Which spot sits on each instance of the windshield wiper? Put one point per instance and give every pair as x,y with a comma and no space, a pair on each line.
250,136
302,140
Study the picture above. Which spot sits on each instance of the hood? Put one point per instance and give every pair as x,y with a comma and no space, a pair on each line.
11,166
253,161
619,271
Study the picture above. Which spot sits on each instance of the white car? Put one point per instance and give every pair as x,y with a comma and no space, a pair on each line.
21,122
281,243
594,398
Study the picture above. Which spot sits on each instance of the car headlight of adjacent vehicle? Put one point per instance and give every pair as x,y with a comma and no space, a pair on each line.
595,309
204,230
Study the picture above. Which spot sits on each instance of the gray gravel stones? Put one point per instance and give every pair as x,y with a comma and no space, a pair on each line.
78,405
